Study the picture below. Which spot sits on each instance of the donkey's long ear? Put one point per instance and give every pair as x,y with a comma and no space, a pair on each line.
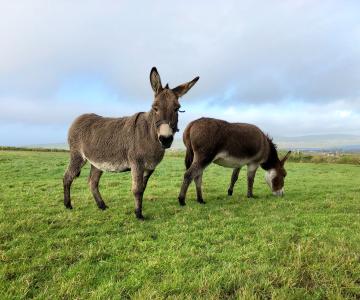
285,158
155,81
182,89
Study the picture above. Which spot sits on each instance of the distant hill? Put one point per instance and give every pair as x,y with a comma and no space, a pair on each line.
340,142
48,146
329,142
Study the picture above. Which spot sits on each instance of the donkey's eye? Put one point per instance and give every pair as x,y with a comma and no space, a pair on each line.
155,109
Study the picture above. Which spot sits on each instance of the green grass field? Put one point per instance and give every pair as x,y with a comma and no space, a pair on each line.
303,246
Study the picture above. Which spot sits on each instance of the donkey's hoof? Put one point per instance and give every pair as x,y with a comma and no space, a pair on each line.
68,206
140,217
250,196
103,206
230,192
182,202
201,201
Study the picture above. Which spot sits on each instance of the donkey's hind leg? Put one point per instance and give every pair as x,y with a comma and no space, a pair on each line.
198,183
196,169
234,178
75,165
94,179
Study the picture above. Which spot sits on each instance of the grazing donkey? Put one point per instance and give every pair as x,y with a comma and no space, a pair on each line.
135,143
231,145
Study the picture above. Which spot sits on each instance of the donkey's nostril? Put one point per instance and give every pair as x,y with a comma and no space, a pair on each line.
166,140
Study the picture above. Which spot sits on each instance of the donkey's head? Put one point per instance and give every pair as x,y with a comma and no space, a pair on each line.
276,175
166,107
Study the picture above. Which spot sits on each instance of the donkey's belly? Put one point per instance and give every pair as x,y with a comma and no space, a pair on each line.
225,160
111,166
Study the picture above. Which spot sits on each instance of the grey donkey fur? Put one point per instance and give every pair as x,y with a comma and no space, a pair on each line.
136,143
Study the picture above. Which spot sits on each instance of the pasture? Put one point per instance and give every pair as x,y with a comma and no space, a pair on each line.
303,246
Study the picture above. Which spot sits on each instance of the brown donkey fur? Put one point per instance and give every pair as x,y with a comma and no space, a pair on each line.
230,145
135,143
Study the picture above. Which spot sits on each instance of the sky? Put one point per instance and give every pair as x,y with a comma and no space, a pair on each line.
290,67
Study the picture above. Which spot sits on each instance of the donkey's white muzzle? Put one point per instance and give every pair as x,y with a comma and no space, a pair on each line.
279,193
165,130
166,135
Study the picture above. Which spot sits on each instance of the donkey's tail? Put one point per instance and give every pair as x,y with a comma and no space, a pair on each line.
189,156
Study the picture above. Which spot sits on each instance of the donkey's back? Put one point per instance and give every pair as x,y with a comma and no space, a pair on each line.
94,129
216,139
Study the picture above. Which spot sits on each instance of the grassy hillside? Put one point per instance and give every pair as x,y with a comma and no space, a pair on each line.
303,246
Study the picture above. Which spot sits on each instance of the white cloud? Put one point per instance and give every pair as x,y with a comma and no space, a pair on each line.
251,56
263,50
286,119
344,113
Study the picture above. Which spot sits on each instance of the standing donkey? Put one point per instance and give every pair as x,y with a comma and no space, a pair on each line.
135,143
231,145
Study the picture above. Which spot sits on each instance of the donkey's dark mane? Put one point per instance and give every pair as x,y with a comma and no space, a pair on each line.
270,140
137,117
273,157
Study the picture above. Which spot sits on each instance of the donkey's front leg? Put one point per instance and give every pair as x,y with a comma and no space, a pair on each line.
234,178
251,172
137,174
146,177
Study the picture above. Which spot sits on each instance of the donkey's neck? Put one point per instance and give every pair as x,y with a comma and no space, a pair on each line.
151,125
273,159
